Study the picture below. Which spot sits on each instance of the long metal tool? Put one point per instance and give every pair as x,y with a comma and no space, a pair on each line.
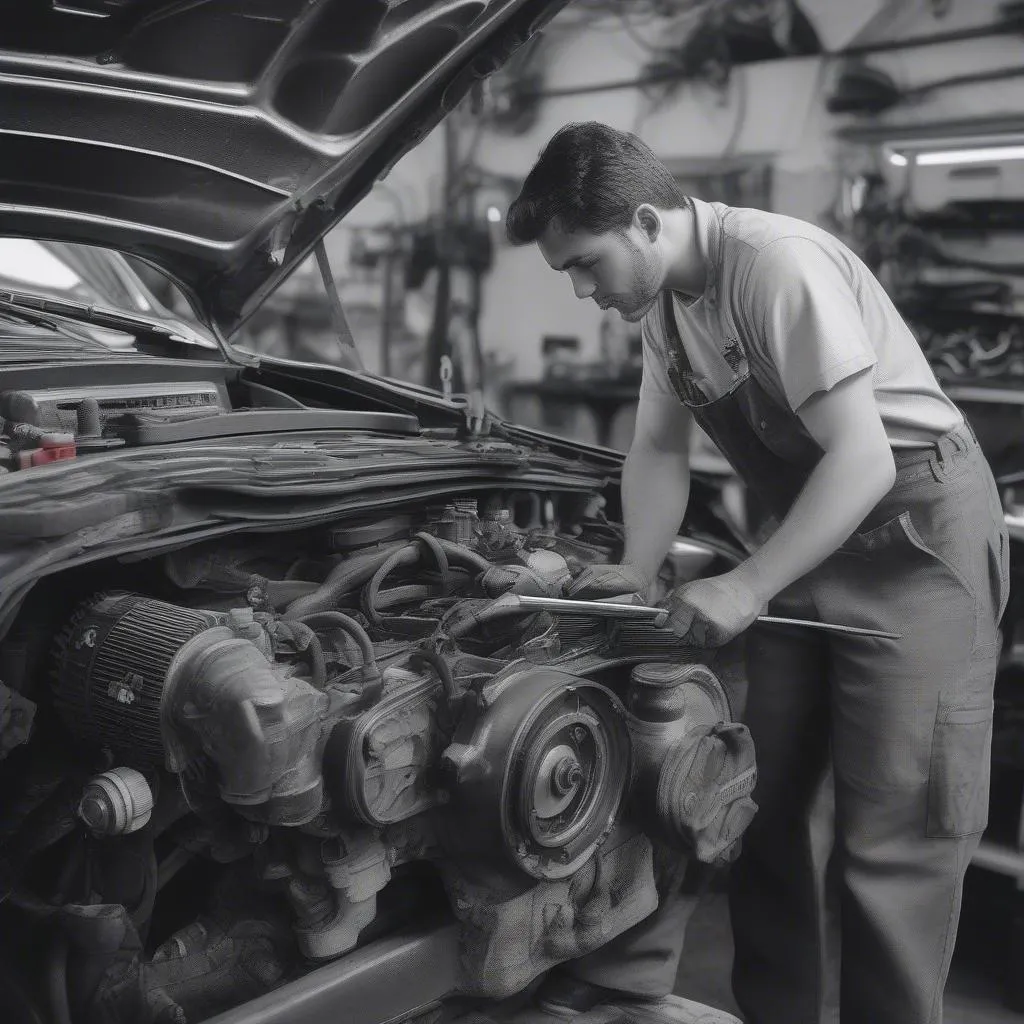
613,610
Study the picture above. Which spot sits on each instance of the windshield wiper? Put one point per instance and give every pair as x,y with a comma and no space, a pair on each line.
91,314
26,316
15,311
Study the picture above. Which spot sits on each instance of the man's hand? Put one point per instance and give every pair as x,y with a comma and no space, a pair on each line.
710,612
597,581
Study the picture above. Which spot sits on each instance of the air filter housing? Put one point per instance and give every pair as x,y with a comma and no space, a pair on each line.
110,667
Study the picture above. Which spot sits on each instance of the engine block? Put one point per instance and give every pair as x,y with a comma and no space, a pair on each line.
381,716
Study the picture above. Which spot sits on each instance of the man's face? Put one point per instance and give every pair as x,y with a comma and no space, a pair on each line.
619,270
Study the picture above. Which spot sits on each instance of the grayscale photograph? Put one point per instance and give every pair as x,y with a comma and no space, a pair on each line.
512,512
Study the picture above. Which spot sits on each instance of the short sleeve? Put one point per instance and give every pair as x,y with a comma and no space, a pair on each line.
805,314
655,370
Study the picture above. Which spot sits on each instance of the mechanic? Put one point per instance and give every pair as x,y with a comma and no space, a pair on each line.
775,338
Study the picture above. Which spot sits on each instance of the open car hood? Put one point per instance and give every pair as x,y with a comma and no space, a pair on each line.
221,139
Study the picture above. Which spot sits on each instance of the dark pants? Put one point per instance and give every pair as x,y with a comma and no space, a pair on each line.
908,725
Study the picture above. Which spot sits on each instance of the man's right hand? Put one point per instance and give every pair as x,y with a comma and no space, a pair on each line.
600,581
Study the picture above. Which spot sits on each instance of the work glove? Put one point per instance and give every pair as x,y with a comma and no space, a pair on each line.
710,612
600,581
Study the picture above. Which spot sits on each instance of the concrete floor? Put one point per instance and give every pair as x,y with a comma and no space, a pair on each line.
974,994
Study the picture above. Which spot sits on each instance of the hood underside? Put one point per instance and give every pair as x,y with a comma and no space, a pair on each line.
220,139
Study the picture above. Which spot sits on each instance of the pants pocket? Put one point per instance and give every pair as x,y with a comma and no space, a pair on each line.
929,550
900,534
999,556
958,778
998,553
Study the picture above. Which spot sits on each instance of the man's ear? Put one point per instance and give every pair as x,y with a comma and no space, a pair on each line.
648,220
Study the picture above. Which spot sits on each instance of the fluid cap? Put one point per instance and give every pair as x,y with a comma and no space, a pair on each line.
117,802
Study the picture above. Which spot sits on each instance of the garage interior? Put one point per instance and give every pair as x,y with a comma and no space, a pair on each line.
895,125
898,125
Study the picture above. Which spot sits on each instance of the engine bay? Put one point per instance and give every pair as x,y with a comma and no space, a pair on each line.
231,762
44,424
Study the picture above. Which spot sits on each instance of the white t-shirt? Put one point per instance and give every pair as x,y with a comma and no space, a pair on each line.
800,307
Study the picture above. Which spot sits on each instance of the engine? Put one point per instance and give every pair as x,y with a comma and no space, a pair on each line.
302,726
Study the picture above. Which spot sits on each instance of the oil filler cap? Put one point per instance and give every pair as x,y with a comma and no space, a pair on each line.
117,802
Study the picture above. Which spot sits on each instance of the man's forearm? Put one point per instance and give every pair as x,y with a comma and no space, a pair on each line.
843,488
655,490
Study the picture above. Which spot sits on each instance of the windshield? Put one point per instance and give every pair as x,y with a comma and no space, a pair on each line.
77,273
89,276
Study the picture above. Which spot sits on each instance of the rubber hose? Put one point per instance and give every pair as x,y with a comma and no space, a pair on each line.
443,669
458,553
284,592
407,555
311,651
405,594
434,546
346,576
408,593
442,550
351,626
227,572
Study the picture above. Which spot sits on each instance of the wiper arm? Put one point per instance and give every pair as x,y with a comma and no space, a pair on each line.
26,315
29,316
91,314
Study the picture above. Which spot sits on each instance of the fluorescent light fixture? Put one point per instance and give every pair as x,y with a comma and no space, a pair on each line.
977,155
494,214
971,156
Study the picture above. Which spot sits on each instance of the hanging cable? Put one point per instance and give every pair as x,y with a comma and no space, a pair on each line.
993,75
659,77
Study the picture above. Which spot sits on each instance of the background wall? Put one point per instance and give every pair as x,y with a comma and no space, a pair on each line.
773,110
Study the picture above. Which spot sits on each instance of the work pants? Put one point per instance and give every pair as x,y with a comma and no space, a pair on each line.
908,726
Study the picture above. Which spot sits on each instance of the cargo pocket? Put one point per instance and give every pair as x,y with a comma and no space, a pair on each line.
958,779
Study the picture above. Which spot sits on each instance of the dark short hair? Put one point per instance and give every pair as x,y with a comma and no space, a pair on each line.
592,177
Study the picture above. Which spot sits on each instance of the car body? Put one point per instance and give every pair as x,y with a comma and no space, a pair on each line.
276,742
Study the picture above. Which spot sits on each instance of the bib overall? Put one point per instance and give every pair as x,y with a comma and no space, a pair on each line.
905,727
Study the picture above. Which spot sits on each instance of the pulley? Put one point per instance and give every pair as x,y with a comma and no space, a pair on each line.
539,767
